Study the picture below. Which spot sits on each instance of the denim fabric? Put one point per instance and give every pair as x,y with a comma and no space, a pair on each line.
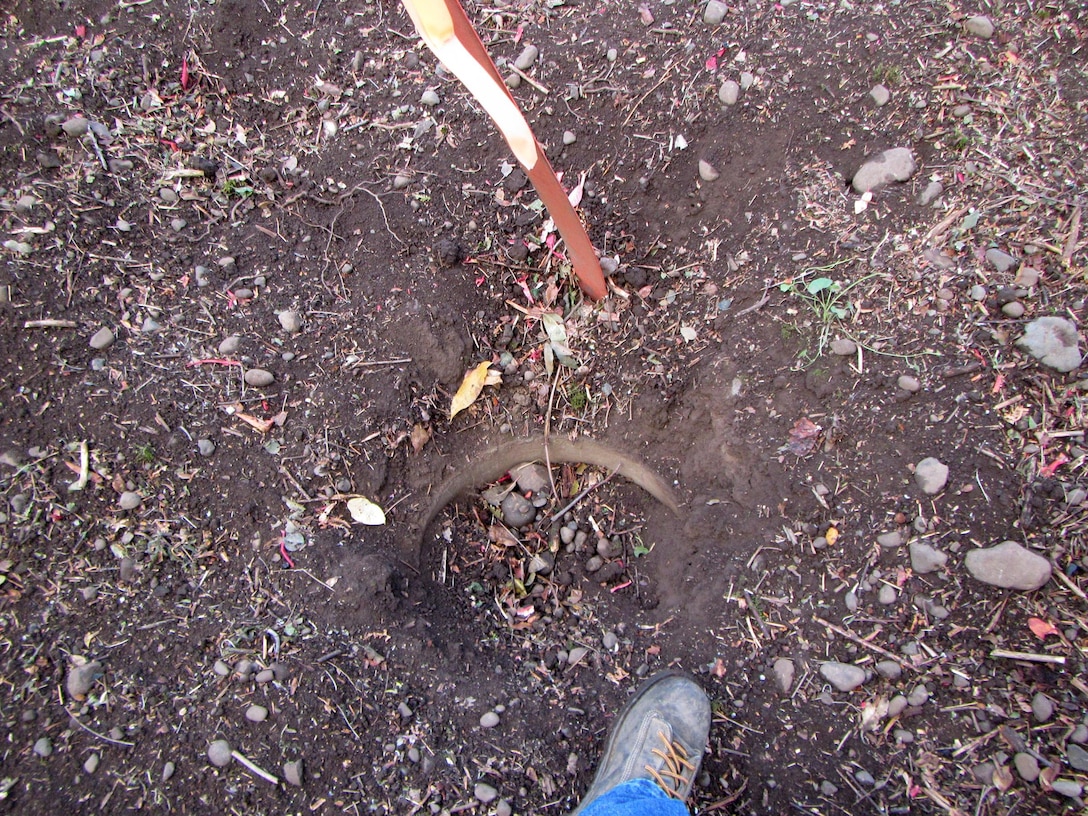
636,797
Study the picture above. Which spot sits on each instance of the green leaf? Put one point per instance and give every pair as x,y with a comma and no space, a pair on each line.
819,285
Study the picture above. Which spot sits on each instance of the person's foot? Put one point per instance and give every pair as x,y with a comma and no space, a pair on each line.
660,735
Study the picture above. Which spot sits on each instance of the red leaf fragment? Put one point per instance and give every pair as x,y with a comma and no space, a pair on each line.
1041,628
803,436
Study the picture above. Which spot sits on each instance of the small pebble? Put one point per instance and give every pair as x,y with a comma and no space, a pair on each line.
292,772
1067,787
485,793
76,126
221,668
205,447
909,383
91,763
230,344
219,753
290,321
887,595
259,378
1015,310
1077,757
102,339
844,347
880,95
429,99
129,500
1042,707
43,747
889,669
569,137
707,171
729,92
256,713
526,58
489,720
265,676
168,771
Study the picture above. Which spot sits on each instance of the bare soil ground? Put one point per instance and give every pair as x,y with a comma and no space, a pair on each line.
241,186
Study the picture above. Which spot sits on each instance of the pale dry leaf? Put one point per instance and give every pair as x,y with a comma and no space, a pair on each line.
473,383
364,511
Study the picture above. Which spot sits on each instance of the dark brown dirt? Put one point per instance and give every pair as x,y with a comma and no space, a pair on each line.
294,156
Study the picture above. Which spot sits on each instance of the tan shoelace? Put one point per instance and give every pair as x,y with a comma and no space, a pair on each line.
671,777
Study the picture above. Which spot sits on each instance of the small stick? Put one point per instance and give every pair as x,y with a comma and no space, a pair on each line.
98,149
211,361
102,737
84,469
573,502
1074,235
49,324
529,79
1065,580
263,774
1031,657
838,630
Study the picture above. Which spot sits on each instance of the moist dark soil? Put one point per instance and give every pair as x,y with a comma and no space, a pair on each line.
267,173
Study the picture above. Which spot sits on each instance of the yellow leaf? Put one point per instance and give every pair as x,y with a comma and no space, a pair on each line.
832,535
471,387
364,511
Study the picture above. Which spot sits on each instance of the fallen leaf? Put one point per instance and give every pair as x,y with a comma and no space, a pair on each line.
419,437
471,386
262,425
1002,778
803,436
557,336
364,511
1041,628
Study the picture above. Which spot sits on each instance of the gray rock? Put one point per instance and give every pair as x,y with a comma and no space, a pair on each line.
918,696
485,793
1001,261
1027,766
843,676
980,26
887,595
76,126
290,321
890,540
1067,787
612,55
531,477
925,559
747,80
259,378
896,164
909,383
714,12
897,705
293,772
930,194
783,671
880,95
400,181
150,325
1053,341
569,137
489,719
1080,734
1015,310
1008,565
430,98
126,570
43,747
221,668
1077,757
230,344
82,678
729,92
102,339
256,713
864,778
889,669
931,475
977,293
168,771
844,347
1042,707
219,753
517,510
526,58
91,763
129,500
265,676
205,447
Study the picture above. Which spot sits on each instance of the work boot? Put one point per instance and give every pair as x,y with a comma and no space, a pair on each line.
660,735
